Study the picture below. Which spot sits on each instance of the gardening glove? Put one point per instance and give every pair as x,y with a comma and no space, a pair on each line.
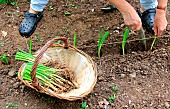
160,22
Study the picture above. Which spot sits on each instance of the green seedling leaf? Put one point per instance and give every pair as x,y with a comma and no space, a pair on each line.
67,13
12,3
102,38
51,7
75,40
4,59
30,48
153,42
1,44
83,105
12,105
112,98
76,7
125,36
3,1
115,89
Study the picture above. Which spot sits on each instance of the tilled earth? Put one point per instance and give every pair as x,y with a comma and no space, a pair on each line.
142,76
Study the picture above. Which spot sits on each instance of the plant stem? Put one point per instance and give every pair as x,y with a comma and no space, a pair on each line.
153,42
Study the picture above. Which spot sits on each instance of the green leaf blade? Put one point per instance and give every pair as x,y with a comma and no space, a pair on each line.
101,41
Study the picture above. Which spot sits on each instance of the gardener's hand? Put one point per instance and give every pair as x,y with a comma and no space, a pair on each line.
160,22
132,20
130,15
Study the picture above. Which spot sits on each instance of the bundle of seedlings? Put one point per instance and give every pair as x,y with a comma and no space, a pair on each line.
52,75
59,70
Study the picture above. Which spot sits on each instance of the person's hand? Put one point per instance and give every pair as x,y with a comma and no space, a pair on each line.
132,20
160,22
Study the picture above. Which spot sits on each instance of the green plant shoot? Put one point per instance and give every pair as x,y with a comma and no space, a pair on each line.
125,36
67,13
112,98
75,40
3,1
83,105
12,105
115,89
30,48
101,40
13,3
51,7
4,59
153,42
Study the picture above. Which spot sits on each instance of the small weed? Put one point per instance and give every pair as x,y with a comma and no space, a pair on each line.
11,2
44,26
75,40
68,29
38,38
72,6
112,98
4,59
66,13
14,2
1,44
76,7
101,40
83,105
12,105
10,89
51,7
125,36
115,89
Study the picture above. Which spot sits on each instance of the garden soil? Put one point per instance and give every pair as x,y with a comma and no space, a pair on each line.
142,76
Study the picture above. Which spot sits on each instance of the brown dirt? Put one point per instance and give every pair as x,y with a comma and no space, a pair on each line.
142,76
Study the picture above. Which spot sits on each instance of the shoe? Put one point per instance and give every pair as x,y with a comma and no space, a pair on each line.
108,8
147,18
29,24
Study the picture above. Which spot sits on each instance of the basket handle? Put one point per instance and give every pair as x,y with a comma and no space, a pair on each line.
40,55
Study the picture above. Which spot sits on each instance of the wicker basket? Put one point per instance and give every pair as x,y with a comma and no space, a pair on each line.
83,67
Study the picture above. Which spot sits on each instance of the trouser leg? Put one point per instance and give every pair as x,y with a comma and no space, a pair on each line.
38,5
148,4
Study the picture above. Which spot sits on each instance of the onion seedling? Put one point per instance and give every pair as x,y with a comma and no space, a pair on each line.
75,40
30,48
125,36
153,42
4,59
101,40
48,77
24,56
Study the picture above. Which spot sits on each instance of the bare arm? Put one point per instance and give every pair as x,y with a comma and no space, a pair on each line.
130,16
162,4
160,21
